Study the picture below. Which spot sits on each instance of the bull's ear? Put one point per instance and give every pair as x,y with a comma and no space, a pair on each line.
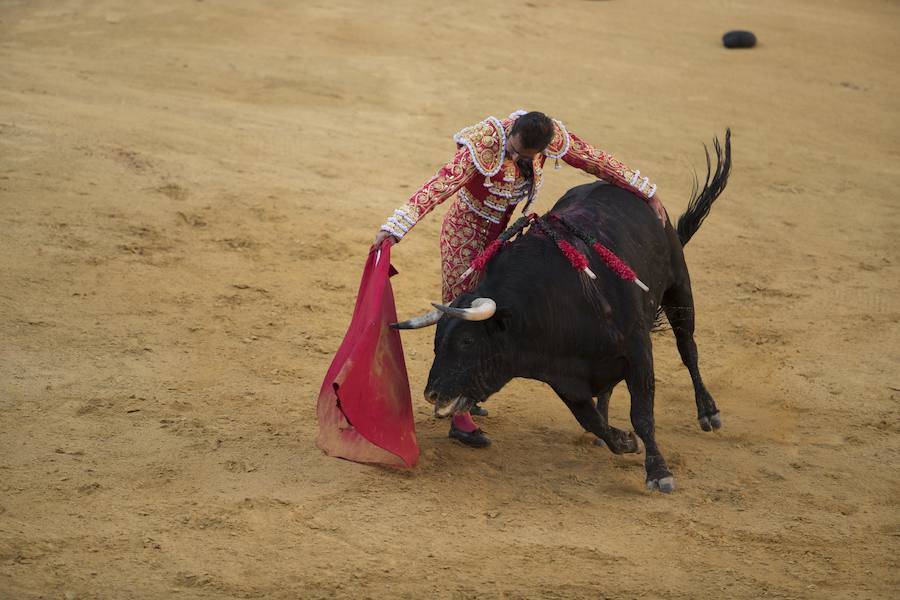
500,322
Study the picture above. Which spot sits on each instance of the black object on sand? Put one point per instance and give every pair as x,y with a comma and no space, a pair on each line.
739,39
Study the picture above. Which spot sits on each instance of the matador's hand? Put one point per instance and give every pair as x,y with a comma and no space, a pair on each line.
379,239
658,208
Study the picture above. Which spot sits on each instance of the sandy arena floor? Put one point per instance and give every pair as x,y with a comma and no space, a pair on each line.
188,191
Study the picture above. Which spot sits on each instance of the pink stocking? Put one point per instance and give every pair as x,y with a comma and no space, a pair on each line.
464,422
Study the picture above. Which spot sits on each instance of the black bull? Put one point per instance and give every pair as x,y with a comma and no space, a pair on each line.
582,336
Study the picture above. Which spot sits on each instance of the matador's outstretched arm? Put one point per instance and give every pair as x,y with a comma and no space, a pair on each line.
583,156
444,184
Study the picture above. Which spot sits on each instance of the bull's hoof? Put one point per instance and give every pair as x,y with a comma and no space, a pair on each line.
624,443
659,477
710,423
666,485
600,442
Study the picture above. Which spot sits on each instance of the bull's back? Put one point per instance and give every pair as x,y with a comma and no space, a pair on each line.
570,314
626,225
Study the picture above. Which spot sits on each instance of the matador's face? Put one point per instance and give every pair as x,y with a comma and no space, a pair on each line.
516,152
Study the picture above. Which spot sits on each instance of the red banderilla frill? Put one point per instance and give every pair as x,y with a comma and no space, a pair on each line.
578,260
575,258
616,264
488,253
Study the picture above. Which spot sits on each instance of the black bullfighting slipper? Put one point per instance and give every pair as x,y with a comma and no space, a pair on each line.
475,439
477,411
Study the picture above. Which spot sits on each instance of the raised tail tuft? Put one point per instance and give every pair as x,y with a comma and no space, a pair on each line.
701,203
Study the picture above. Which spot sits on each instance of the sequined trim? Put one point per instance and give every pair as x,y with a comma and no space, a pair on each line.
391,230
560,142
397,223
482,140
490,204
470,202
405,216
645,181
516,191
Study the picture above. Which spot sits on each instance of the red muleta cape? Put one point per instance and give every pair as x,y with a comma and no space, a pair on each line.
365,410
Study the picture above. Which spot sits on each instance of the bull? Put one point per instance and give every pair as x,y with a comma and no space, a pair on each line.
533,316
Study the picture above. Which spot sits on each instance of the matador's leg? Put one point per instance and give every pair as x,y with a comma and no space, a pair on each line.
463,237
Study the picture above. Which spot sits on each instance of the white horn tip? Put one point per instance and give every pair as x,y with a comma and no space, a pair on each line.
429,318
641,285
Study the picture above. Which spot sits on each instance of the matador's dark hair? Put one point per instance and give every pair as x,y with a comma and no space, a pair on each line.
535,129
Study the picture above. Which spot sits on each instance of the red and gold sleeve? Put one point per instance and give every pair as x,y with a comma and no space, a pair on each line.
600,164
444,184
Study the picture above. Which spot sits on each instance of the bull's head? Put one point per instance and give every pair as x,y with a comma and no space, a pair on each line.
471,353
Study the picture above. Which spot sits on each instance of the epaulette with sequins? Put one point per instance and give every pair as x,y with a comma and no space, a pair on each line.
559,145
486,142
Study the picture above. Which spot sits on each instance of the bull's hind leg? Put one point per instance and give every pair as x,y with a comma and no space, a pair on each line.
577,397
642,387
603,409
679,306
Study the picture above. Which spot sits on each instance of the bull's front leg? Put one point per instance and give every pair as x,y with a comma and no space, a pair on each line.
641,386
603,403
577,396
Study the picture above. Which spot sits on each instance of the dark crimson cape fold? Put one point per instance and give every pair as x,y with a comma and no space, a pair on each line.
365,409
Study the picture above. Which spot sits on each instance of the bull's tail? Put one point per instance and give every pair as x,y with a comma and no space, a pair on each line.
702,201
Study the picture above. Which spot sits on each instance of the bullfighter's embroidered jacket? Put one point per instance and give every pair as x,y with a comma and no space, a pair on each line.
489,187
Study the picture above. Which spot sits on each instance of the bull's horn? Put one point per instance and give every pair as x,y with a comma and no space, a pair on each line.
429,318
481,309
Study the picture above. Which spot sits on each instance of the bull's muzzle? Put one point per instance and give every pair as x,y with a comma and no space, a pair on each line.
446,407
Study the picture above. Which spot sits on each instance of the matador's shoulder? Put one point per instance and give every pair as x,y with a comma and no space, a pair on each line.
486,141
559,145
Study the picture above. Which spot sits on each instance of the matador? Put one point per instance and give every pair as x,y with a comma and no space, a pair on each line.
498,165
